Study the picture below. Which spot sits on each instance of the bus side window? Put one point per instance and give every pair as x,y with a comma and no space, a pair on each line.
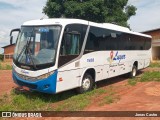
70,44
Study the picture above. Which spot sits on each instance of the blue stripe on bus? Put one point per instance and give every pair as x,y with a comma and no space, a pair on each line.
39,85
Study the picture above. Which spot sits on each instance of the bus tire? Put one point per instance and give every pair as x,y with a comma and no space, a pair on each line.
87,84
133,73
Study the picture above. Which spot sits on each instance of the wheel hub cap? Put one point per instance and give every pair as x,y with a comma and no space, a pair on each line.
86,84
134,72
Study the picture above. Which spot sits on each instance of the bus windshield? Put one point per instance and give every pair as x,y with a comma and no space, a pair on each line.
37,45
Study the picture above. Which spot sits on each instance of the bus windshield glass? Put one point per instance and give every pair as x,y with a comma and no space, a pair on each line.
37,45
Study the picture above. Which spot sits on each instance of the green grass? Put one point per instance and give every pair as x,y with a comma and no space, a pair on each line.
8,67
150,76
146,77
79,102
154,65
132,82
33,101
110,98
5,66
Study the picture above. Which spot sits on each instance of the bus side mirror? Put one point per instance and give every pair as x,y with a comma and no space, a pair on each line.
11,37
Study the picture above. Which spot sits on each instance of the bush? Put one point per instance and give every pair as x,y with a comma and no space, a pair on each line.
0,66
1,57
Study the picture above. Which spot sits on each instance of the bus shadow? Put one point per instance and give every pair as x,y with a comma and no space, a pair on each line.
117,79
53,98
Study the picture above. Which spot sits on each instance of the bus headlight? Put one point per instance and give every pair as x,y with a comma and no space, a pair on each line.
45,75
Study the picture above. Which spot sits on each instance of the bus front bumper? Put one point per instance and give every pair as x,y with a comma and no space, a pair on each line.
47,85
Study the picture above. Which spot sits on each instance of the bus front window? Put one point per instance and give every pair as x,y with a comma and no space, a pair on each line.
37,46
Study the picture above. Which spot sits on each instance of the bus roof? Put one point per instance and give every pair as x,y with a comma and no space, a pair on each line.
65,21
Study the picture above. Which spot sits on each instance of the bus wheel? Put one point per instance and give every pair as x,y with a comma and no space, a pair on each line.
133,73
86,85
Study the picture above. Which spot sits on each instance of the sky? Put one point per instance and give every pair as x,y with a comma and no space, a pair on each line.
13,13
147,15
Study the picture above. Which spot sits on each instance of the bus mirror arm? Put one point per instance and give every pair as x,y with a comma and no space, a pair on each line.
11,40
11,37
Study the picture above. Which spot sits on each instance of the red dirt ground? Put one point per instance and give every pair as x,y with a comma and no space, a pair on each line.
6,82
143,96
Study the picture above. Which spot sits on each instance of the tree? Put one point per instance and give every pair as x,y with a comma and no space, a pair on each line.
116,11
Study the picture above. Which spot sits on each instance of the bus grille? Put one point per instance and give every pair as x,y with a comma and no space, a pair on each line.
27,77
26,84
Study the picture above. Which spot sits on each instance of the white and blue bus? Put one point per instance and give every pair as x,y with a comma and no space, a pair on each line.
55,55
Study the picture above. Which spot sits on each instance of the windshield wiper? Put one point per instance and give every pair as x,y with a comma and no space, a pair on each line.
24,48
27,51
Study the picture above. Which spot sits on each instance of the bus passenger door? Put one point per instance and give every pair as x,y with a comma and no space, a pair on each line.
68,71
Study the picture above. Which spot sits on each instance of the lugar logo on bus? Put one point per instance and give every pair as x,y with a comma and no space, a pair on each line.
115,57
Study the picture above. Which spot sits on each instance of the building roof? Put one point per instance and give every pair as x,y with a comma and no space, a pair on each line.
8,45
151,30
